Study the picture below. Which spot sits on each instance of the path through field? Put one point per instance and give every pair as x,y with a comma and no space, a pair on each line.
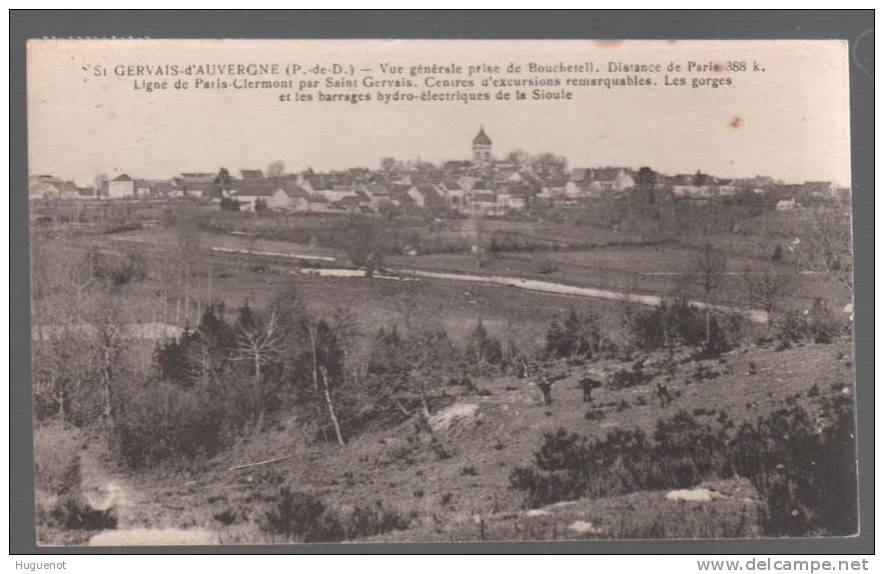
104,489
754,315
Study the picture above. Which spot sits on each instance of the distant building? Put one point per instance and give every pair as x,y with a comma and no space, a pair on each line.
557,187
602,180
68,190
482,148
785,205
252,174
121,187
197,184
820,189
251,193
42,186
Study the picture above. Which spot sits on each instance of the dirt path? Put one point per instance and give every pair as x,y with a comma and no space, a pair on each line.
106,488
538,286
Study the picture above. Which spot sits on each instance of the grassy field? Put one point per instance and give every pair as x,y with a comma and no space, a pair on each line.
235,278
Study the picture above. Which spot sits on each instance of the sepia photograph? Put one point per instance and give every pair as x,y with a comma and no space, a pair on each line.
390,291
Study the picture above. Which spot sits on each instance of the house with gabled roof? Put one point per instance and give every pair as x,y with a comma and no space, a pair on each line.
514,197
483,201
252,193
609,179
378,194
315,203
67,190
557,187
453,193
427,196
337,192
42,186
120,187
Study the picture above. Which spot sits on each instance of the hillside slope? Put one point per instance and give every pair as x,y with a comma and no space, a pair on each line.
452,483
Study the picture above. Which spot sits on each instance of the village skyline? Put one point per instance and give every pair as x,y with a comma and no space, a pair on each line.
499,156
483,184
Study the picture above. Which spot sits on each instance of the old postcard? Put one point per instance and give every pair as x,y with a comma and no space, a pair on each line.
430,291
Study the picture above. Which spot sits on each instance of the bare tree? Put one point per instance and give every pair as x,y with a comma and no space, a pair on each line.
107,325
550,165
829,246
708,269
188,261
391,164
259,344
765,289
323,371
276,168
521,159
347,327
407,301
320,372
72,351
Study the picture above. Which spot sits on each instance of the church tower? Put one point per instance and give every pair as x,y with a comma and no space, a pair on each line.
481,147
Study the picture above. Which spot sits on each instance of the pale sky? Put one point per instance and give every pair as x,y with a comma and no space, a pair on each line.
793,118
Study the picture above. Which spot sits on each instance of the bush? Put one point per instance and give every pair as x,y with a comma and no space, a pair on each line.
163,422
667,326
805,475
483,350
683,453
595,415
791,327
636,375
689,452
680,323
578,335
820,324
804,471
303,517
114,269
824,323
230,204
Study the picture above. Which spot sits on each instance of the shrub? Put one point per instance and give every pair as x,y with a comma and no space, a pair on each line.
636,375
805,475
114,269
578,335
820,325
482,349
682,453
689,452
229,204
824,323
163,422
594,415
303,517
668,325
